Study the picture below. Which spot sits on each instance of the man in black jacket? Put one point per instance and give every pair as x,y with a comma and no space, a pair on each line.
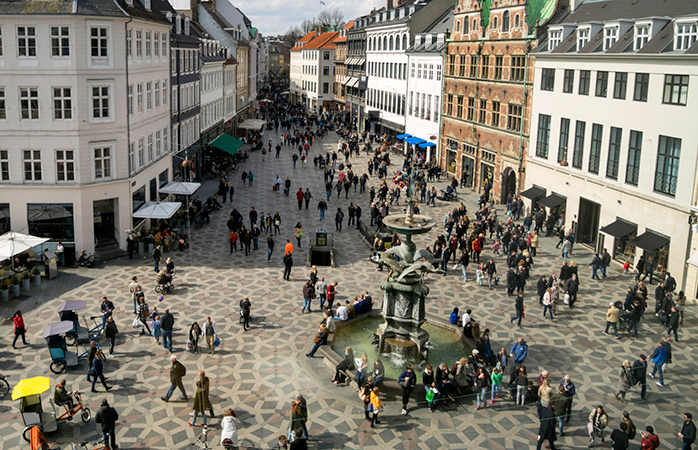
177,372
688,431
288,263
519,308
605,262
107,417
640,374
166,325
491,270
572,286
546,430
357,213
541,287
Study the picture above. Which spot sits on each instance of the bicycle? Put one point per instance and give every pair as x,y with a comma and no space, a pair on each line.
4,386
100,445
201,442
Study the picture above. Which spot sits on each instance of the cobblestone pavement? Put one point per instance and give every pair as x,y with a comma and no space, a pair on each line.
258,372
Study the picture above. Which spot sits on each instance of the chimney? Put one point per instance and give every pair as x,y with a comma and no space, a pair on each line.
390,4
574,4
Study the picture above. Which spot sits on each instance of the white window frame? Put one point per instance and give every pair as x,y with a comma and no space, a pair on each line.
109,84
129,99
148,44
65,102
139,97
3,104
149,95
139,43
63,51
610,36
4,166
554,39
583,36
156,91
65,160
33,161
150,148
140,159
100,61
642,34
165,92
105,161
164,141
129,42
131,158
29,98
163,49
28,39
685,34
156,44
158,144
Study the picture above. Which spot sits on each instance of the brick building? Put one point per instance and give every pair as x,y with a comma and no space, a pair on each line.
487,91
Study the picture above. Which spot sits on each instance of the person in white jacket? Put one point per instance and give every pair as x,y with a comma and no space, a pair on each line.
230,424
210,333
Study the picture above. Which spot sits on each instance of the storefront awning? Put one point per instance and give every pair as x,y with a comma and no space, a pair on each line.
403,136
359,61
349,61
533,192
252,124
227,143
354,82
693,260
553,200
349,80
619,228
650,241
426,144
414,140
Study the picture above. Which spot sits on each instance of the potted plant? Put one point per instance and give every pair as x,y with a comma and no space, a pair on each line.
141,245
26,277
15,285
5,290
37,276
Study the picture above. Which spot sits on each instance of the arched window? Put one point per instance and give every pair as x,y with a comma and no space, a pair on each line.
466,26
517,20
494,23
505,21
385,43
391,42
474,24
404,42
458,26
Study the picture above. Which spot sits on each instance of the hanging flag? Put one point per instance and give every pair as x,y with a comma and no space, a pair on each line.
323,3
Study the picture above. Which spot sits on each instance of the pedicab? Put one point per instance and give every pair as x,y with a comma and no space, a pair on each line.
79,334
28,392
61,357
38,441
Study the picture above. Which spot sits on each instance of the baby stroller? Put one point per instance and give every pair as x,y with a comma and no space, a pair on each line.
164,282
625,325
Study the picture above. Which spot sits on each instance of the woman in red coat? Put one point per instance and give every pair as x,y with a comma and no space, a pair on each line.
19,328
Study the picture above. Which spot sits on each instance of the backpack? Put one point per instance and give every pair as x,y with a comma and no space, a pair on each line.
340,216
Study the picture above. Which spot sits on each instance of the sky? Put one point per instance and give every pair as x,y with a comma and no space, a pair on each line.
274,17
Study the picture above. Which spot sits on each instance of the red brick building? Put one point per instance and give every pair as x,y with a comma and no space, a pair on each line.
487,91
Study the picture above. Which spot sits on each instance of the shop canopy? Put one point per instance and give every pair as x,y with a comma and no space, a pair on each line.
252,124
533,192
553,200
180,188
227,143
426,144
157,210
619,228
414,140
403,136
650,241
693,260
13,243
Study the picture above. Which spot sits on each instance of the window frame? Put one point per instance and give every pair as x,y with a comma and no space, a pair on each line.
615,138
66,103
578,150
33,161
101,84
26,41
514,121
543,139
568,81
642,84
601,88
632,171
671,84
547,79
30,100
665,160
620,85
564,140
595,148
60,41
68,162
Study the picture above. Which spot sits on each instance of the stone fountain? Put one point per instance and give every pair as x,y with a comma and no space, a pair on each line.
403,303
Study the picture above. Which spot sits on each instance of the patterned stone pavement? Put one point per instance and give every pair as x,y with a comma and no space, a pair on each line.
258,372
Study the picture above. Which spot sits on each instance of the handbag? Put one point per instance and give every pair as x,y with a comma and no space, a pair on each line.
404,383
430,395
137,324
590,428
217,342
317,339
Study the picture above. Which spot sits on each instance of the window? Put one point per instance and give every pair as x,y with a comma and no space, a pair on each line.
29,103
667,172
554,39
568,81
164,92
449,104
148,44
437,108
610,37
1,54
601,83
157,94
139,97
438,72
3,108
632,173
547,81
451,65
62,104
563,145
404,42
505,21
578,154
675,89
483,111
494,22
582,37
686,35
65,167
149,95
459,107
60,41
139,43
99,41
326,55
485,71
595,150
326,70
543,136
129,43
514,118
584,82
642,36
614,152
156,44
165,144
496,106
431,71
26,41
150,147
164,45
642,83
102,162
466,26
100,102
158,144
517,68
498,62
471,108
620,85
517,21
4,166
131,159
32,165
129,99
325,88
141,152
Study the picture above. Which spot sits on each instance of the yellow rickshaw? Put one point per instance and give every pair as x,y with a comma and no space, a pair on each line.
28,392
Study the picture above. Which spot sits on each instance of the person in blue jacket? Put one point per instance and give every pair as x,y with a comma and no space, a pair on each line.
519,351
454,317
407,381
659,358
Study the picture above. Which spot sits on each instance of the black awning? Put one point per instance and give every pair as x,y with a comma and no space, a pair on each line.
533,193
553,200
619,228
650,241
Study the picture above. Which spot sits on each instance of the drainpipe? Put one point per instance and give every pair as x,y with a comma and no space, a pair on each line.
523,111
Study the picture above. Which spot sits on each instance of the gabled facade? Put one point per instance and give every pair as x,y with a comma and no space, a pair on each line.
296,84
312,65
340,69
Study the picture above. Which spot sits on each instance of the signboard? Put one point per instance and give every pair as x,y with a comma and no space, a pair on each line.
321,238
363,82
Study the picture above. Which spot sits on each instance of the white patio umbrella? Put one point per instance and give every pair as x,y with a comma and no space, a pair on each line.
13,243
157,210
49,213
180,188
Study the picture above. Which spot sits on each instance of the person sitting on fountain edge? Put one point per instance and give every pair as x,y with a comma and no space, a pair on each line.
454,319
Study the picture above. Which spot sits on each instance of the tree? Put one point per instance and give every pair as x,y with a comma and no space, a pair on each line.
331,18
292,36
307,26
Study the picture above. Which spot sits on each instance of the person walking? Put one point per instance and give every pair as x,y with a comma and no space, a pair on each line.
90,358
546,430
296,420
199,404
19,328
338,218
322,206
650,441
177,372
619,436
376,407
144,315
548,303
625,381
688,431
673,323
307,196
107,416
288,264
157,254
110,332
298,234
230,424
571,287
640,374
167,324
659,358
98,371
521,385
157,328
612,317
407,381
569,392
133,288
357,214
595,265
210,333
300,196
598,420
308,293
321,289
270,246
303,405
519,306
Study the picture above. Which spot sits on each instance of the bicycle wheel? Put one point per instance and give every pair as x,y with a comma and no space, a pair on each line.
26,434
158,289
57,367
86,416
70,339
4,387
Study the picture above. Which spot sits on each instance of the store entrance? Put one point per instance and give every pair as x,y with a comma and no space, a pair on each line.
588,225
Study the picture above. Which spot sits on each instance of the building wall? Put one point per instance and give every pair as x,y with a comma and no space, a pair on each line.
423,121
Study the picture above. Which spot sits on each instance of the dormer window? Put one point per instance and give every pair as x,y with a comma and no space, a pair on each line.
582,37
642,36
554,39
178,26
685,35
146,3
168,15
186,26
610,37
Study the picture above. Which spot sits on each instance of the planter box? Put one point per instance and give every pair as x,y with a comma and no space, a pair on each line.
5,295
25,284
37,280
15,290
141,247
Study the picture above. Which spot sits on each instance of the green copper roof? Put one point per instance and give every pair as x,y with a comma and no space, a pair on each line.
485,14
253,32
538,11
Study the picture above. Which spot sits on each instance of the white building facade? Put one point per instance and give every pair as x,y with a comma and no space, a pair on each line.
614,146
84,119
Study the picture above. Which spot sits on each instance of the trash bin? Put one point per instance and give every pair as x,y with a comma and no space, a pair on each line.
51,263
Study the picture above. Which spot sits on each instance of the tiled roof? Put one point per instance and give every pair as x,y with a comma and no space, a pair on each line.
323,41
108,8
605,10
